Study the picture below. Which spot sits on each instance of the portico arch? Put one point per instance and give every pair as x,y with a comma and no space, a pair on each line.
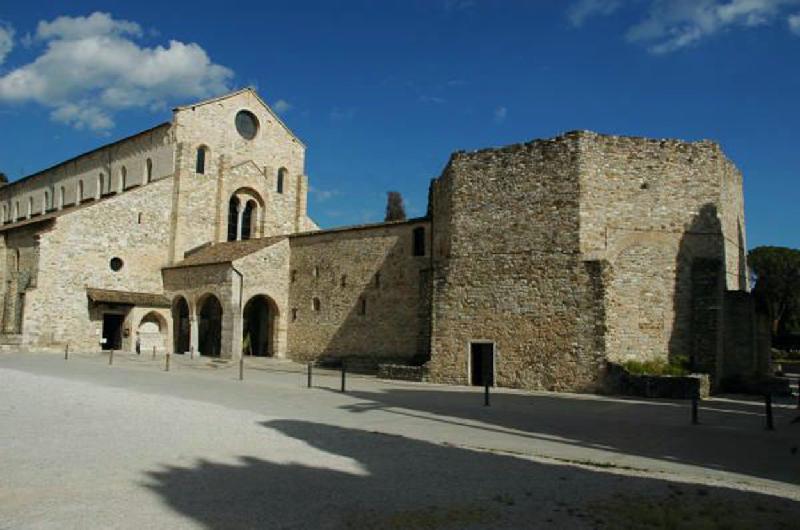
180,325
152,332
209,325
259,326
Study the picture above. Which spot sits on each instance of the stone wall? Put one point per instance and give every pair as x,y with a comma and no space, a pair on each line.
508,269
75,252
373,265
651,208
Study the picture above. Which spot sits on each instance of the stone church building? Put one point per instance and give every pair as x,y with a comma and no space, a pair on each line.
535,265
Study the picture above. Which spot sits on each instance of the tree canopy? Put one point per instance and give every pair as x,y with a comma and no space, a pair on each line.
3,178
395,211
776,272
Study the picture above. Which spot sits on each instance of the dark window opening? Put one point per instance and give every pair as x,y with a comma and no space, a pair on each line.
233,218
362,310
200,166
116,264
316,304
294,314
294,275
112,331
419,241
343,282
482,363
281,176
377,279
247,219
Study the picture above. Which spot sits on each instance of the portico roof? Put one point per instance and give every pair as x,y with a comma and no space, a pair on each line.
108,296
226,252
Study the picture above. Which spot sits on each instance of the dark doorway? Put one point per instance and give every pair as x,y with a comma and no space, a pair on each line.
482,363
209,329
180,326
112,331
258,327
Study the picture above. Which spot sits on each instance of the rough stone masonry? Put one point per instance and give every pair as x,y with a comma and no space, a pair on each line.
536,265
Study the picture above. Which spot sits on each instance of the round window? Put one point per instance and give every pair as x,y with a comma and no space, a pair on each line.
116,264
246,124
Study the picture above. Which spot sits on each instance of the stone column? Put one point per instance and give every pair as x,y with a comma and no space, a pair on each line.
193,334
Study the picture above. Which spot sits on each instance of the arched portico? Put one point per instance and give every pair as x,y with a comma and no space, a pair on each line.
209,325
259,326
181,324
152,332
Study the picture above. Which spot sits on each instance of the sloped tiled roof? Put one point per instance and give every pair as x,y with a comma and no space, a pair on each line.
107,296
225,252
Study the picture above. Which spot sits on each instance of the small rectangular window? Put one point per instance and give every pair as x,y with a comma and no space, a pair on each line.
294,275
200,167
362,310
419,241
294,314
377,279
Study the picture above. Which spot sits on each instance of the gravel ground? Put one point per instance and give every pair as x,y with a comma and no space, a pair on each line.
87,445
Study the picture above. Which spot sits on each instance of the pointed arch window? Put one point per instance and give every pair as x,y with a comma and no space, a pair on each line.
282,172
248,218
123,179
148,171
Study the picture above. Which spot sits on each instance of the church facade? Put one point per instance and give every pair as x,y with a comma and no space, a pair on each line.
535,265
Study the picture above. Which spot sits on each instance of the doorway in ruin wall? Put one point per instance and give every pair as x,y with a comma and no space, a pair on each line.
209,327
260,317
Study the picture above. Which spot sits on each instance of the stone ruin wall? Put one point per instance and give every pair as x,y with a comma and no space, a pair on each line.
348,263
651,208
508,269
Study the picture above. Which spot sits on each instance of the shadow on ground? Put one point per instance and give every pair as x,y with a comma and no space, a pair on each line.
403,483
731,436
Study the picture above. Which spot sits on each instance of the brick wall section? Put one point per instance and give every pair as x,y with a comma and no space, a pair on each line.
392,324
507,268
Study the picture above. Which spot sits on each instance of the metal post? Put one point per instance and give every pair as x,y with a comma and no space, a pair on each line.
191,352
110,357
344,376
241,367
166,363
768,404
309,375
695,420
66,352
486,393
154,353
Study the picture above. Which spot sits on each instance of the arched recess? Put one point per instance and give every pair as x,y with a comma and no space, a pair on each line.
245,214
209,325
180,325
259,326
152,332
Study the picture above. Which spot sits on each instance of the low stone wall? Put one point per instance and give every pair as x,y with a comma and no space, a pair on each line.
620,381
403,372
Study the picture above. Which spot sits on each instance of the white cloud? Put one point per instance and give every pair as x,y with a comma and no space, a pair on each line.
500,114
584,9
323,195
674,24
670,25
794,23
6,40
281,106
91,67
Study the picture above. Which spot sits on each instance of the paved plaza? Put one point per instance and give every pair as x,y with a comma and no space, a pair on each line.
88,445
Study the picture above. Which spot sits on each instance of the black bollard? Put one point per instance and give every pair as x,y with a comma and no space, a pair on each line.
486,393
695,420
768,404
344,376
309,375
191,352
166,362
154,353
66,352
241,367
110,357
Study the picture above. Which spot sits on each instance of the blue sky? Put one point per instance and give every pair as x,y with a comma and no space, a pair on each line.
383,91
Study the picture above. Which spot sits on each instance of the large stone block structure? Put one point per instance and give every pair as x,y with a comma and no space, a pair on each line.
535,266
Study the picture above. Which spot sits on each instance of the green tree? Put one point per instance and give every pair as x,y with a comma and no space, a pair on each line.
776,272
395,211
3,178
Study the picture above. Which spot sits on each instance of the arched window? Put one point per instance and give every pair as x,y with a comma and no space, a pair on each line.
148,171
101,179
233,219
61,193
315,304
123,179
248,219
200,164
281,177
79,196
